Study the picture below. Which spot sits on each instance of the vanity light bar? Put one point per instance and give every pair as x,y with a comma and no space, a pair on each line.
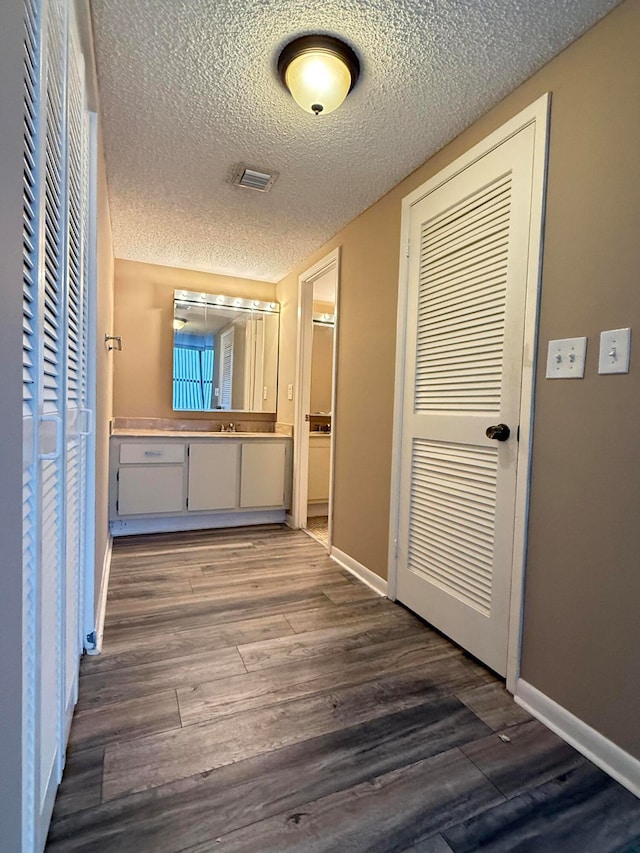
219,300
325,319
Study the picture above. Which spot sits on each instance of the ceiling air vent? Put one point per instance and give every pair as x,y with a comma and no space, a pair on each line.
252,178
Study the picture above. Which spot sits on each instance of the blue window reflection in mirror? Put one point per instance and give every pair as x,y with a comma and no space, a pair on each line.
225,353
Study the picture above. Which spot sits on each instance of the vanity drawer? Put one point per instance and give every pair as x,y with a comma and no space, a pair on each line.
151,452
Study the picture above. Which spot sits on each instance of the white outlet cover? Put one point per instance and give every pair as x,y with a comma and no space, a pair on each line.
566,358
615,350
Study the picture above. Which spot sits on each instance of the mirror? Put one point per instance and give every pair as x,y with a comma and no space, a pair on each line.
225,353
322,366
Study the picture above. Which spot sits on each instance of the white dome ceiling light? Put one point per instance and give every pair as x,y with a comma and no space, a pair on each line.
319,71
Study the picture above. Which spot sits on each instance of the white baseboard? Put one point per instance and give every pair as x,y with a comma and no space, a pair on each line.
169,524
371,579
102,598
316,509
624,768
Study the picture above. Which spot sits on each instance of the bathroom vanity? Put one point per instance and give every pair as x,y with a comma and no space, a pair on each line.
162,480
182,474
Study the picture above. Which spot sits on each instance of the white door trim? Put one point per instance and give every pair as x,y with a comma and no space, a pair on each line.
538,115
369,578
303,388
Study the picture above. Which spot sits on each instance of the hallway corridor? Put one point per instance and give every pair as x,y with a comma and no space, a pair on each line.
253,696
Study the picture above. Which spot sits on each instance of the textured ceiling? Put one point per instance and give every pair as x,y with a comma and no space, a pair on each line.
188,89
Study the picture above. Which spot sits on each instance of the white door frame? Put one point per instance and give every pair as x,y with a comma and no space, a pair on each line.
536,114
329,263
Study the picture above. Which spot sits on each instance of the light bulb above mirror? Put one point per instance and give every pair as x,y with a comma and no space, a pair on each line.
319,71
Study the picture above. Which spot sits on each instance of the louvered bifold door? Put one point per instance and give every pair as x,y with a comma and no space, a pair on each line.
467,279
52,379
55,311
226,368
30,480
51,350
76,414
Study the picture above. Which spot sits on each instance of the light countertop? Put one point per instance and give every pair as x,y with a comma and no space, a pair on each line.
170,433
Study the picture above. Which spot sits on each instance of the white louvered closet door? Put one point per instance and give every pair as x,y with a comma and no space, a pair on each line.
31,514
226,368
55,383
77,419
51,723
465,306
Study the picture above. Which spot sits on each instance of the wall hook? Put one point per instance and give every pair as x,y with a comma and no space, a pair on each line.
118,342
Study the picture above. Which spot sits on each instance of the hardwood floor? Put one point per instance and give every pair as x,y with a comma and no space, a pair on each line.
252,696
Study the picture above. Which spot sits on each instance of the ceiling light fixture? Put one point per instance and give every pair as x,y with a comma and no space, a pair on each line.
319,71
179,323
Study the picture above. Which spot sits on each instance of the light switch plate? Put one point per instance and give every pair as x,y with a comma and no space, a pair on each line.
565,358
289,392
615,349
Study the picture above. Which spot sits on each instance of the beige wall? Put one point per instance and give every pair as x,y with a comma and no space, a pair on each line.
143,316
362,421
581,638
104,369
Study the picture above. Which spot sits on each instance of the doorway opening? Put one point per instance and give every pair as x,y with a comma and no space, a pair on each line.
314,429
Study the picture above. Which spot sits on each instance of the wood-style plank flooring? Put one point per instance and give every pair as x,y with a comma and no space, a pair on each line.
252,696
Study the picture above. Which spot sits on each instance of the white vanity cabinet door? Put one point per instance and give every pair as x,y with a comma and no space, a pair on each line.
319,466
263,474
214,470
149,489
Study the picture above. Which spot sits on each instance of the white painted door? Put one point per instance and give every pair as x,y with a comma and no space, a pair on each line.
150,489
214,472
55,390
77,415
31,465
319,468
468,260
50,652
262,474
226,368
